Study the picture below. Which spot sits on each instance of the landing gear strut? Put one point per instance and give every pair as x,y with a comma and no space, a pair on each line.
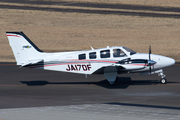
163,79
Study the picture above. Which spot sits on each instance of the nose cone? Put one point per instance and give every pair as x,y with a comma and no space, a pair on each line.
166,61
162,61
169,61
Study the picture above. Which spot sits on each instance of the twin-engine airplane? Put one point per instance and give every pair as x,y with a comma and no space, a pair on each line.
109,61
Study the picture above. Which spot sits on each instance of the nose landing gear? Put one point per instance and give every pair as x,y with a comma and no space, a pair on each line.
163,79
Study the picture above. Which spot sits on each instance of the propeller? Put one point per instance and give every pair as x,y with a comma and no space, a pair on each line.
150,52
149,59
150,62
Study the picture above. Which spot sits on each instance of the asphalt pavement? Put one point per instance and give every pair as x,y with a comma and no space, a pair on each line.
33,94
24,87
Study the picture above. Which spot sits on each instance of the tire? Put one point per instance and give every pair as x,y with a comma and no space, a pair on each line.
163,81
114,83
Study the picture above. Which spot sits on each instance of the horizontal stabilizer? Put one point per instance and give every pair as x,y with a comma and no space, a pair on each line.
32,62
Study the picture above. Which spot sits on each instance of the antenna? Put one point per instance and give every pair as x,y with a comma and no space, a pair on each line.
91,47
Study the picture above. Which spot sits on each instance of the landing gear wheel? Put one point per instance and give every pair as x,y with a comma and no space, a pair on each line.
163,81
113,83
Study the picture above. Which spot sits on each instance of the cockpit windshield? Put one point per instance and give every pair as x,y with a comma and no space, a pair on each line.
129,50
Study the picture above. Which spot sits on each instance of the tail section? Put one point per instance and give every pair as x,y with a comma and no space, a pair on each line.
25,51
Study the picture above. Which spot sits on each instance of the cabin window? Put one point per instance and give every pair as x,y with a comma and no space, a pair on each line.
118,53
105,53
92,55
82,56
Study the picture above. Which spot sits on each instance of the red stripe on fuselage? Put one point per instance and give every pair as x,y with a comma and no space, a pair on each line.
138,64
74,63
55,65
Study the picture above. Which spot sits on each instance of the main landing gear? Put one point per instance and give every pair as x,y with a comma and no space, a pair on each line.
163,79
113,83
111,74
111,77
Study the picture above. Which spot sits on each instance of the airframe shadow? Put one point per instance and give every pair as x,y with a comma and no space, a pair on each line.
121,83
143,105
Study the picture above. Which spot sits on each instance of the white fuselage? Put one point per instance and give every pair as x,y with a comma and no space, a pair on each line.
70,61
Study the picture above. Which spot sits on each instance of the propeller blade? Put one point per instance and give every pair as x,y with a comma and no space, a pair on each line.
150,52
150,59
150,70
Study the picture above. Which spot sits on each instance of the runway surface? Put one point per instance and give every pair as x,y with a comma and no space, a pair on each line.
21,88
24,87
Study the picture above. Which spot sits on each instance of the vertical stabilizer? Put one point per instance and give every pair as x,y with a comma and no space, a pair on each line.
23,48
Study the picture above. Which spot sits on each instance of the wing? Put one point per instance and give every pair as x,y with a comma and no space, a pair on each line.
110,68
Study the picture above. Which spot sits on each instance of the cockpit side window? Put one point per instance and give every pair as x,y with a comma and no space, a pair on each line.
129,50
118,53
82,56
105,53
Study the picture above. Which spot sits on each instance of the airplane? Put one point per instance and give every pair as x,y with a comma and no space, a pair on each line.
109,61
